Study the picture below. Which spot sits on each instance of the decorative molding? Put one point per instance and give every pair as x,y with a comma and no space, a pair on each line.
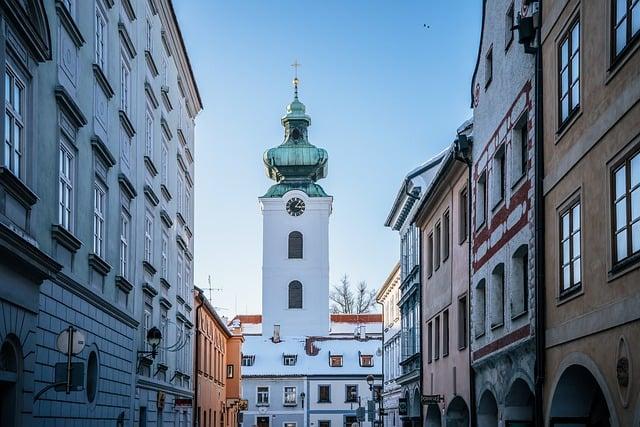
179,299
148,289
151,167
123,284
165,192
165,128
149,268
126,40
102,80
164,93
102,151
18,252
127,186
153,6
164,216
151,195
181,137
181,162
164,282
148,89
187,176
188,230
17,188
181,316
181,86
126,123
65,238
128,8
32,26
69,24
66,103
98,264
151,63
165,303
180,241
165,42
109,3
189,155
180,218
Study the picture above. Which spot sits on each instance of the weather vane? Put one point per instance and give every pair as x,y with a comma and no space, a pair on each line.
295,66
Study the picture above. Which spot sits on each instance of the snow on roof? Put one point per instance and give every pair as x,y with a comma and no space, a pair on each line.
312,356
340,323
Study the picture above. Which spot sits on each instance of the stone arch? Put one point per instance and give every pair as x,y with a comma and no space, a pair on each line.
487,410
458,413
580,390
11,365
432,416
519,401
416,403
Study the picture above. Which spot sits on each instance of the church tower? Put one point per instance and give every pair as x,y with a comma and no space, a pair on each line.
295,246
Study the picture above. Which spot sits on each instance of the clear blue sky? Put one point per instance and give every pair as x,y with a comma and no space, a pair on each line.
384,93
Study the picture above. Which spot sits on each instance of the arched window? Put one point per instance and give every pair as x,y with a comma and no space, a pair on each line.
295,294
480,308
497,296
295,245
519,281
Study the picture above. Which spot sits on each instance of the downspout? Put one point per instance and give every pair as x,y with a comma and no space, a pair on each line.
539,236
380,405
196,418
420,323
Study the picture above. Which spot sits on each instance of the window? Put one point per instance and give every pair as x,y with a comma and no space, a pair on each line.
147,319
164,255
148,237
508,27
289,359
445,236
436,334
351,393
125,146
290,396
488,68
125,232
570,272
180,193
100,39
519,149
295,294
430,342
14,122
164,162
125,85
520,281
445,333
569,72
480,308
335,361
462,322
295,245
92,376
499,178
65,186
325,423
179,273
248,360
263,396
366,360
289,424
149,34
481,200
463,226
437,242
626,23
99,200
497,296
430,255
148,134
626,205
164,329
324,393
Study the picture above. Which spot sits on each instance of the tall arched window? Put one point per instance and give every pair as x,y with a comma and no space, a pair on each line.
295,245
519,281
497,296
480,308
295,294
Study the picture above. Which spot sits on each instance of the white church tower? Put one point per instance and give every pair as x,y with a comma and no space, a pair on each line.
295,211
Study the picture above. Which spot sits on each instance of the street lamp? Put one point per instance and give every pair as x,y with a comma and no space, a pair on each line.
370,381
302,396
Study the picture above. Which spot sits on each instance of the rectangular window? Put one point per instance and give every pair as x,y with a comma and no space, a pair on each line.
508,27
248,360
519,149
335,361
14,122
626,208
445,333
146,325
125,232
481,200
569,72
325,423
149,34
263,396
366,360
351,393
66,186
437,245
570,271
289,359
164,162
125,85
430,342
164,255
289,424
480,308
463,220
488,68
164,329
626,23
324,393
125,146
179,272
430,255
462,322
99,200
436,334
180,193
445,236
148,237
290,396
100,38
148,136
499,178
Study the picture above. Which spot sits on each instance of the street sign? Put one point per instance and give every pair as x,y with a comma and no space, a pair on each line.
76,379
402,406
77,341
428,399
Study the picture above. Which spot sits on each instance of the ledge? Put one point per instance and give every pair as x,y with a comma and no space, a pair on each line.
164,93
66,102
180,218
18,252
65,238
126,40
128,8
123,284
165,303
102,80
165,192
127,186
151,195
98,264
69,24
164,282
101,149
181,301
181,137
181,162
149,268
165,128
188,153
16,188
148,289
180,241
151,167
164,216
151,95
126,123
161,366
151,63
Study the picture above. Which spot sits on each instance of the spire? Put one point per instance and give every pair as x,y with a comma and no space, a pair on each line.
296,81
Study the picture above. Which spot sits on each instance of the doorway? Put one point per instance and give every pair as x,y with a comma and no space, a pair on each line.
263,422
349,420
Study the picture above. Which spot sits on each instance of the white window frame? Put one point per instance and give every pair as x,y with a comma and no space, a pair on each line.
288,391
66,178
148,237
101,28
125,84
99,211
148,135
125,235
125,146
164,255
180,193
164,162
14,119
179,273
147,321
261,401
149,34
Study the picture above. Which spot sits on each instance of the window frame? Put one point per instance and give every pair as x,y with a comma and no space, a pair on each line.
148,236
125,84
430,257
295,286
479,332
295,245
445,333
488,67
482,181
16,115
261,394
368,357
101,35
328,388
446,232
499,167
463,219
567,36
335,358
99,218
626,163
289,360
631,38
463,322
293,391
509,21
568,209
347,397
437,243
125,238
66,183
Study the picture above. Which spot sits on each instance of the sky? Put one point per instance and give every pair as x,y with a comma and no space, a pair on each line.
386,84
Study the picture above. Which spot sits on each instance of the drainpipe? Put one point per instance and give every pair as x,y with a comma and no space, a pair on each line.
539,371
380,405
196,420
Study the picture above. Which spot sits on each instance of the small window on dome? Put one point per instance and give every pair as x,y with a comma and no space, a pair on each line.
296,134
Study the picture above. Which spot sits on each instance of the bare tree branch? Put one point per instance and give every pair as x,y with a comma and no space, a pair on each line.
344,300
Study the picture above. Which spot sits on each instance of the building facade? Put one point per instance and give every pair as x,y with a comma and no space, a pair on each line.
91,179
404,207
502,226
442,218
388,296
217,358
591,70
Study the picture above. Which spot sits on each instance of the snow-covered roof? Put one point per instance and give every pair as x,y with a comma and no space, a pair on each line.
312,356
341,324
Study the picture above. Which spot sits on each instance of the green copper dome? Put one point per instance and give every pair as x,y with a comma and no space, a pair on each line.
296,163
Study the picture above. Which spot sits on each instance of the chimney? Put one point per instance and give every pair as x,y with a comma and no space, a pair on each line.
276,333
363,332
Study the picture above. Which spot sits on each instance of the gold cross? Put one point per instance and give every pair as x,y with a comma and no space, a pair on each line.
295,66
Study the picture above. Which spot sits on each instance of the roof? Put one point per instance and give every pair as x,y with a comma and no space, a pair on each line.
389,281
341,324
213,312
475,69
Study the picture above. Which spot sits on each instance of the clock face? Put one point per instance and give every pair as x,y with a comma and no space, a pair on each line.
295,206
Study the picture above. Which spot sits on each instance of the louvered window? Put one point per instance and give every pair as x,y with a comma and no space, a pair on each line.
295,245
295,294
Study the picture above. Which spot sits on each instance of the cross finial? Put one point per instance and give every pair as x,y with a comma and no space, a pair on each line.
295,66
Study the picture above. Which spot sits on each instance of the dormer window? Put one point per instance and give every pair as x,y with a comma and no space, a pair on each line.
248,360
335,361
366,360
289,359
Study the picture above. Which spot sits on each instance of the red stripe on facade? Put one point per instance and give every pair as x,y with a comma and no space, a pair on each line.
502,342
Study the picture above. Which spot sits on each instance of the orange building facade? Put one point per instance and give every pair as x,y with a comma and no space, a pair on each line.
217,357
